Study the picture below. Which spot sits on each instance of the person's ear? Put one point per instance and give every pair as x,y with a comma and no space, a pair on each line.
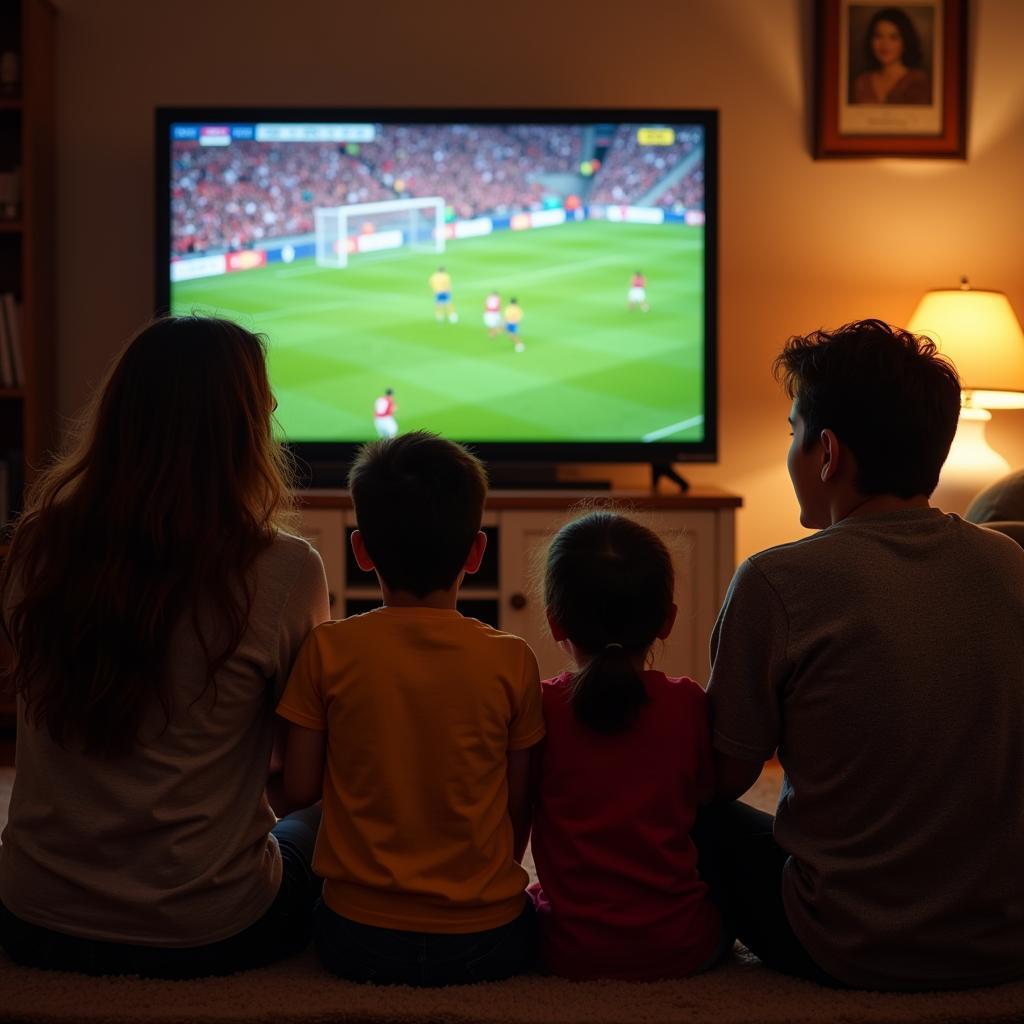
476,552
831,455
670,621
557,633
363,559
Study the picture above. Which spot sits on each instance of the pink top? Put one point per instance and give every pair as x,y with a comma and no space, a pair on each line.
618,892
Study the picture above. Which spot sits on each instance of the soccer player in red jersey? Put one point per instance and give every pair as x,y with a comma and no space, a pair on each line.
492,313
638,292
384,409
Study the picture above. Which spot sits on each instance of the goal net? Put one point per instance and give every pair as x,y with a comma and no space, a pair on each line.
384,227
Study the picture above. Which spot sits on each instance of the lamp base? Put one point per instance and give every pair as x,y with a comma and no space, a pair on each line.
971,464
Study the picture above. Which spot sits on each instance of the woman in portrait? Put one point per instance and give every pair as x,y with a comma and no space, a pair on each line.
892,52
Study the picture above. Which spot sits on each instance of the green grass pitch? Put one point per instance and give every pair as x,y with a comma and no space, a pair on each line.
591,370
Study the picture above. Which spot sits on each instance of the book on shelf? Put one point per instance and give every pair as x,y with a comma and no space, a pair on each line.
12,317
7,377
12,358
12,483
5,501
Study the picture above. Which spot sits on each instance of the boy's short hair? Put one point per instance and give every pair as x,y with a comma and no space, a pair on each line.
419,501
886,393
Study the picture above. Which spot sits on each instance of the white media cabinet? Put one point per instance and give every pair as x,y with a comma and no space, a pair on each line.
698,528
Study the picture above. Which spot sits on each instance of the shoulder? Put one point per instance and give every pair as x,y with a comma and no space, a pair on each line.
680,689
287,561
333,638
287,549
555,696
992,543
495,639
557,684
505,654
862,90
802,554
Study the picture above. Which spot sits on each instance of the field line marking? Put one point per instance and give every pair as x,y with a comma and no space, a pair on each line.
693,421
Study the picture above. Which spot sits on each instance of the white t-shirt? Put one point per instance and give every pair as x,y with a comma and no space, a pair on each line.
169,846
884,659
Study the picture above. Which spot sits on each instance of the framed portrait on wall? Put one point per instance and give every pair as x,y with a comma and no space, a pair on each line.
890,78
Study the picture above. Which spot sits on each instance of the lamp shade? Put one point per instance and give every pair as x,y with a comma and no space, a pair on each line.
980,332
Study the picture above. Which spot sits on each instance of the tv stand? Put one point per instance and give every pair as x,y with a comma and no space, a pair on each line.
660,469
697,527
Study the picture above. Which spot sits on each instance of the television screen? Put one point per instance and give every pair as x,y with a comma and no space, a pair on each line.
539,283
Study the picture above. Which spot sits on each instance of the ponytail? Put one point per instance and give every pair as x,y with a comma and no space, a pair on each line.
608,584
608,692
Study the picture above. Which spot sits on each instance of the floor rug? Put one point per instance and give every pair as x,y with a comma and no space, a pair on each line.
297,991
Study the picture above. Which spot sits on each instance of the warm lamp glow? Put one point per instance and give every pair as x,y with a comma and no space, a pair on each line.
980,332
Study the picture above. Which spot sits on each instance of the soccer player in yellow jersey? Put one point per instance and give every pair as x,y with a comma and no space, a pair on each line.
513,316
441,286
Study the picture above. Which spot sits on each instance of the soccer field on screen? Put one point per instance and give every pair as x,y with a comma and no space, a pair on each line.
591,370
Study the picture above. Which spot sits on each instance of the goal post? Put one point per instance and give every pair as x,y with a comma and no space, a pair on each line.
393,224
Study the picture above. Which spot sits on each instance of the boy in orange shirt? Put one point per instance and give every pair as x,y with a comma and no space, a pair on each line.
414,724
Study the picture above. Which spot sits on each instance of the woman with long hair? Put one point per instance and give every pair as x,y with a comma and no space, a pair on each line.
154,604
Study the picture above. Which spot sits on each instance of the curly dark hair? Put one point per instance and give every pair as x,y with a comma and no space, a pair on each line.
887,393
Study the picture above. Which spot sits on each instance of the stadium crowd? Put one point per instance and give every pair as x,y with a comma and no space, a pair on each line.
630,170
234,197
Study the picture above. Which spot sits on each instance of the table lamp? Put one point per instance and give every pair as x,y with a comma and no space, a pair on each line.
979,331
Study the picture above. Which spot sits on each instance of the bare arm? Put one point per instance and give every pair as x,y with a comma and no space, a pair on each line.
304,766
520,806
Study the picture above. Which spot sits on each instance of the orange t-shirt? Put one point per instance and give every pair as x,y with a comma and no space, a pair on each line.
421,706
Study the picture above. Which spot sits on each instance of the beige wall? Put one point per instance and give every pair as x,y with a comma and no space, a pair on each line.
803,244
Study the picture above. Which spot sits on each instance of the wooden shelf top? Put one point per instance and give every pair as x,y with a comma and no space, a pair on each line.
11,226
12,393
697,498
11,102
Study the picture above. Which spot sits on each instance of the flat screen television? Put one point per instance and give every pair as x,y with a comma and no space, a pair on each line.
538,283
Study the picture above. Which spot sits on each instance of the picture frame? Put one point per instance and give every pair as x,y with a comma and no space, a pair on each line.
890,78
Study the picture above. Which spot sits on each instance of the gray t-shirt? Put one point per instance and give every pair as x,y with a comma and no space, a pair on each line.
168,846
884,659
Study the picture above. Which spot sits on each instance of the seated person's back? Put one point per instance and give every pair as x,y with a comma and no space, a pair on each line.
623,768
884,658
426,717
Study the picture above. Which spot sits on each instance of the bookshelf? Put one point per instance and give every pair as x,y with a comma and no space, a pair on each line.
27,247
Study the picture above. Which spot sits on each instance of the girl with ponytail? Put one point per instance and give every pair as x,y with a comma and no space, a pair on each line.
625,765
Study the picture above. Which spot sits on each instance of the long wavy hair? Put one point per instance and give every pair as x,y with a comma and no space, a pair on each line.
166,493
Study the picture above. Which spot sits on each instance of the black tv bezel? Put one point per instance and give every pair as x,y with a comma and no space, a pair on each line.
339,453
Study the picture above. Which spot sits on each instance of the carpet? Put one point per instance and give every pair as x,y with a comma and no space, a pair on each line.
298,991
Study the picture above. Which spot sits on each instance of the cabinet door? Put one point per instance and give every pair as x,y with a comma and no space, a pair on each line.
691,539
525,537
324,528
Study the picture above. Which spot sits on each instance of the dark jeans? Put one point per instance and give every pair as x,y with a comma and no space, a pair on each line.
285,928
742,865
362,952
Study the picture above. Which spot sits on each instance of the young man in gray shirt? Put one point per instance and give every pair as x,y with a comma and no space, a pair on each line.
882,658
